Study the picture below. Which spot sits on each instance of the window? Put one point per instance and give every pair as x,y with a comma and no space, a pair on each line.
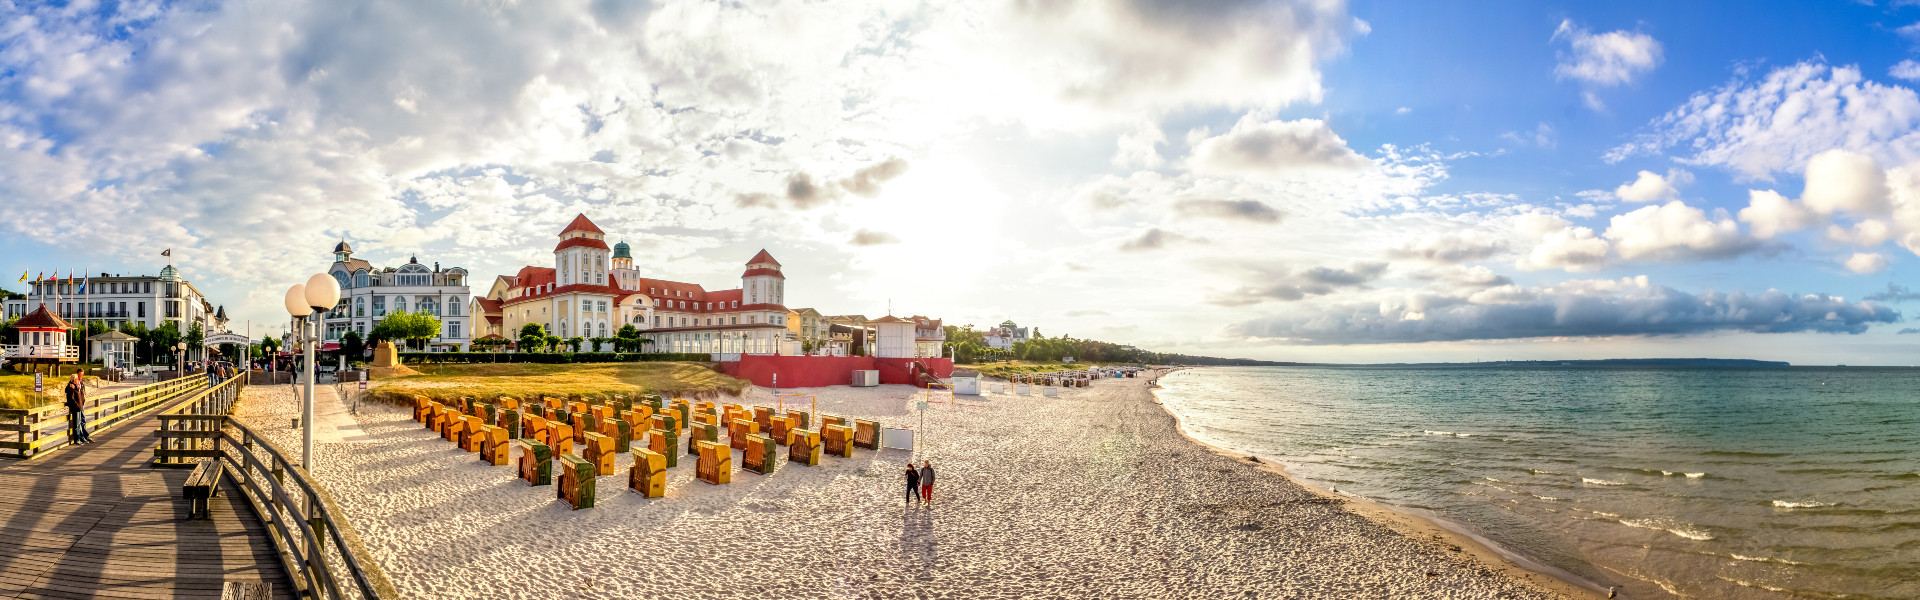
453,329
360,306
603,331
142,307
399,304
736,304
379,306
360,279
341,278
453,306
736,321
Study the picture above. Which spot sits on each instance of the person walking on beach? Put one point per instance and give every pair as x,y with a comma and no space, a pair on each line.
77,411
926,482
913,483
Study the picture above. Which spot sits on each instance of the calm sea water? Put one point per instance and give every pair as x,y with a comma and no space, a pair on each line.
1718,483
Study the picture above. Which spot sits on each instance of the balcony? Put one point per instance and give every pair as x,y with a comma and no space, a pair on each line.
98,314
23,352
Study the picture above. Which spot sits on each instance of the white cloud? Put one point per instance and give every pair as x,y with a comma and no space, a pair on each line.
1652,187
1139,148
1866,263
1450,248
1770,214
1676,232
1559,245
1840,180
1781,121
1869,232
1906,69
1542,136
1259,148
1402,110
1603,60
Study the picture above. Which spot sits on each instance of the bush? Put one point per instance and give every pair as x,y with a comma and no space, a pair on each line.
415,358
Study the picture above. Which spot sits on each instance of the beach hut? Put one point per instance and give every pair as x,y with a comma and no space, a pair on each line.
114,348
43,340
966,382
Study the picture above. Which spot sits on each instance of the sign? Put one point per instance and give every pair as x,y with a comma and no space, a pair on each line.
39,384
901,439
363,380
228,338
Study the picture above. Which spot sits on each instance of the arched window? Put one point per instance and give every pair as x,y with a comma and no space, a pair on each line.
603,330
360,305
342,278
453,306
360,278
399,304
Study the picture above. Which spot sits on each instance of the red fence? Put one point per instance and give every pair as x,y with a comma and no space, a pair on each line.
821,371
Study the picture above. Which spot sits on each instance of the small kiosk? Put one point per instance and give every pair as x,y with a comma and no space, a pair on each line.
43,342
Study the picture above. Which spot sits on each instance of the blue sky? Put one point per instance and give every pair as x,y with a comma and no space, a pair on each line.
1286,180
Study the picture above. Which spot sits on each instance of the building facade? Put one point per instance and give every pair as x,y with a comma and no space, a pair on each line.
368,294
118,300
929,337
810,328
1006,335
593,290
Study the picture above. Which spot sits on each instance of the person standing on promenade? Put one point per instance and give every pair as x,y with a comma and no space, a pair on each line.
926,482
77,411
913,483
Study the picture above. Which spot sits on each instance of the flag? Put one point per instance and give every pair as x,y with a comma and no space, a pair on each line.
41,277
167,252
23,277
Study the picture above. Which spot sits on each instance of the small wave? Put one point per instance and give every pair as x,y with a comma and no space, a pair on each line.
1685,530
1439,433
1746,454
1549,498
1695,475
1666,473
1545,472
1808,504
1758,585
1767,559
1593,481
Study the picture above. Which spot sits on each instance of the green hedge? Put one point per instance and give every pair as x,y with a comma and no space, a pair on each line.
557,358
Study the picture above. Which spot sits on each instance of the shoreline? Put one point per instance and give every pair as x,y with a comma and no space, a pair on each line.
1406,522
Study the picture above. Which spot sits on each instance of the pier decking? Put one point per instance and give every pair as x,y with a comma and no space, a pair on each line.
95,521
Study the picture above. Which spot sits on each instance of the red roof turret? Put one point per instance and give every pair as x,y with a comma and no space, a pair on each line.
42,319
763,257
580,223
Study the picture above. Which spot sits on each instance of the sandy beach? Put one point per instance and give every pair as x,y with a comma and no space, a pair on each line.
1093,494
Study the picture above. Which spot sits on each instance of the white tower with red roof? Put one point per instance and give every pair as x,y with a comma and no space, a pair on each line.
762,282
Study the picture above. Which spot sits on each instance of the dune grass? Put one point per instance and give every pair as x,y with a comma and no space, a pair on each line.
16,390
518,380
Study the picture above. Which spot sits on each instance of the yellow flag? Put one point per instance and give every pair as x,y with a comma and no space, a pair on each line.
23,276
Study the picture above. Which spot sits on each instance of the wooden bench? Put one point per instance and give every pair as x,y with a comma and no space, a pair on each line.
200,488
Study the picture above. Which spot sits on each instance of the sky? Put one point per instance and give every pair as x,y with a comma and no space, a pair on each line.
1304,181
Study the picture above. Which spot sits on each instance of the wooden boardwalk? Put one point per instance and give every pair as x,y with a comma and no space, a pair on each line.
95,521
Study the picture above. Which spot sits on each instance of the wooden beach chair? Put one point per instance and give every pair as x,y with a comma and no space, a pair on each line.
577,478
701,433
621,432
560,437
737,432
450,425
648,474
536,463
782,428
759,455
833,420
598,449
837,440
866,434
685,413
715,465
665,442
494,446
805,418
510,421
420,409
804,448
470,434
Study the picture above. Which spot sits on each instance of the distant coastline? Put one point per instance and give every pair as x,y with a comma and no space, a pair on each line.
1605,363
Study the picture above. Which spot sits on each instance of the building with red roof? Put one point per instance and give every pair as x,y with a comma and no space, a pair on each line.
593,290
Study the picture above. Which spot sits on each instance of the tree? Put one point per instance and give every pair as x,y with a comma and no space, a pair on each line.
196,337
600,342
352,346
627,339
553,343
573,343
411,327
162,339
532,337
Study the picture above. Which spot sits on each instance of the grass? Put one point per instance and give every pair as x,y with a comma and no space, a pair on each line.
1001,370
16,390
448,382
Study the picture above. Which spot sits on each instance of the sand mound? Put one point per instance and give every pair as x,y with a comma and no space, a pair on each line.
390,372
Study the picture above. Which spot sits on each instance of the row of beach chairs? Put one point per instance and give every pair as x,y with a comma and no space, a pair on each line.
550,429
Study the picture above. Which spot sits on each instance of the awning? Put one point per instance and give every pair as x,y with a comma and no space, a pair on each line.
330,347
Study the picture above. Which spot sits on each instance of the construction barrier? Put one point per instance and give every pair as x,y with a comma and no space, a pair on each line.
866,434
620,431
804,447
759,455
648,474
536,463
470,433
737,432
577,477
716,463
837,440
493,445
598,449
701,433
665,442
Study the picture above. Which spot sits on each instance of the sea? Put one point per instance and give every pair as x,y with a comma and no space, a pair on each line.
1791,482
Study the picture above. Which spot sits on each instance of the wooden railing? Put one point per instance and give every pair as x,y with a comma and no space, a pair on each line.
319,549
188,432
44,429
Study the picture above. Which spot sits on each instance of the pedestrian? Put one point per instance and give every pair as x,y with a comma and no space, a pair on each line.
913,483
926,481
77,411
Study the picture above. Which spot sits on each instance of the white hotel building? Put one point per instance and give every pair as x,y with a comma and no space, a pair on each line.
368,294
593,290
117,300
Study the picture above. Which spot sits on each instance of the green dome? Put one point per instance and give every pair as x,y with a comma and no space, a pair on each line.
621,250
169,274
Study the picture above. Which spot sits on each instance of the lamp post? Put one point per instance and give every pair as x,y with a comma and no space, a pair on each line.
180,363
305,302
